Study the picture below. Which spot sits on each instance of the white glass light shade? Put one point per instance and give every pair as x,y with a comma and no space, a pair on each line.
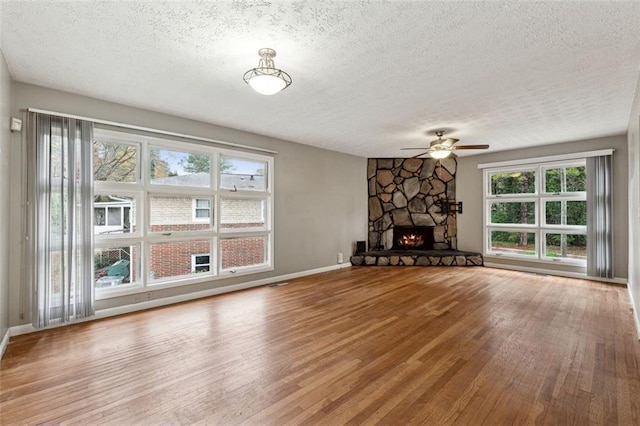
267,84
441,153
266,79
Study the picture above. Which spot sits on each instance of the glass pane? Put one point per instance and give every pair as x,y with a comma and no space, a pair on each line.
203,203
115,162
553,212
173,213
179,168
565,179
553,180
244,251
242,213
513,183
118,214
576,179
569,246
116,266
174,259
577,213
243,175
519,243
515,213
114,216
99,216
202,213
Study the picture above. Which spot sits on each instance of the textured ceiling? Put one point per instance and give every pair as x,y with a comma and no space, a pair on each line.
368,77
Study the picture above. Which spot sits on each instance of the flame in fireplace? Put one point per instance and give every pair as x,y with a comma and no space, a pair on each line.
411,240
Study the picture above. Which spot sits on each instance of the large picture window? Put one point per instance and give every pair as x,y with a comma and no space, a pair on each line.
537,212
170,213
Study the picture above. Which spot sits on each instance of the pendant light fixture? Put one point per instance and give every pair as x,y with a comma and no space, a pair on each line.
266,79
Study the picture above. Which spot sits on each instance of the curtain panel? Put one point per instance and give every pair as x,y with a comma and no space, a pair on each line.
599,217
61,219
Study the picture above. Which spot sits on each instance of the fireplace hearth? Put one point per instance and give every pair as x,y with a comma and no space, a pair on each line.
413,238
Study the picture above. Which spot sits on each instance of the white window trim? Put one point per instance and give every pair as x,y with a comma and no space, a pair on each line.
550,159
540,228
195,208
194,264
143,188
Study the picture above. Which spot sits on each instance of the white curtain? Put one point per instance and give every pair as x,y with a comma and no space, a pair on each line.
61,220
599,217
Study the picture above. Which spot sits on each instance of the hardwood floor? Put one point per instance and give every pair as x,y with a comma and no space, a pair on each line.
364,345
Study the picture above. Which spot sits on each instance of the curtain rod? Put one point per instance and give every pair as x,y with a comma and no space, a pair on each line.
148,129
551,158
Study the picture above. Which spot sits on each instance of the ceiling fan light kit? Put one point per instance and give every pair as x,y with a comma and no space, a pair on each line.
440,153
442,148
266,79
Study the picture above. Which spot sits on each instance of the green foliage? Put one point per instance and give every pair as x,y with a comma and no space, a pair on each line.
513,183
196,163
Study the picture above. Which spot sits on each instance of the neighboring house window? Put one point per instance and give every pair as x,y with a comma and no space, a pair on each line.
200,262
201,209
537,212
155,210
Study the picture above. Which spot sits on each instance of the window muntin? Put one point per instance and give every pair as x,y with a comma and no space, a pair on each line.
560,232
179,168
243,174
153,226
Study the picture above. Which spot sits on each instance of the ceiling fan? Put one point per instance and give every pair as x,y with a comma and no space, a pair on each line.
442,148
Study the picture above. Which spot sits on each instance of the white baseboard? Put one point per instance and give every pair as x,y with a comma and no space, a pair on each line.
110,312
636,312
554,272
5,342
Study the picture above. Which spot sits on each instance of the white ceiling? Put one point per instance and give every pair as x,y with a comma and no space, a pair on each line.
369,77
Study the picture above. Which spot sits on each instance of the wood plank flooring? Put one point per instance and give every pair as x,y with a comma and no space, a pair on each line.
382,345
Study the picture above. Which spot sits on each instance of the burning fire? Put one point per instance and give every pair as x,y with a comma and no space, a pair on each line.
411,240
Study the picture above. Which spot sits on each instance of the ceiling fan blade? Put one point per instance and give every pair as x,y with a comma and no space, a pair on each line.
470,147
405,149
421,154
443,142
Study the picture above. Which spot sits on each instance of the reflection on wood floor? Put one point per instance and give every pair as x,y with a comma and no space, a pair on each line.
362,345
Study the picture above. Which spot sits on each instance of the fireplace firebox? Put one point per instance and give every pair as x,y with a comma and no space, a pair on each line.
413,238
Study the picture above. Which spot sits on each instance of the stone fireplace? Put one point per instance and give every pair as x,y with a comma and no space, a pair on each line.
408,222
411,192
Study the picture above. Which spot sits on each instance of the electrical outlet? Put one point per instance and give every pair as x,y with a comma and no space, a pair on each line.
340,258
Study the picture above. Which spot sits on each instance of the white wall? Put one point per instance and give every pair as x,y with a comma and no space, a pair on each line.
5,142
633,136
320,196
469,190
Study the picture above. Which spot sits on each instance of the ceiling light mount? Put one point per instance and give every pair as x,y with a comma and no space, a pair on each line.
266,79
